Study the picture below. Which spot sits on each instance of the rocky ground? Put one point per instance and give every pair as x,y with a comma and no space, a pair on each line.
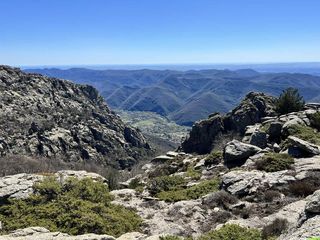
251,168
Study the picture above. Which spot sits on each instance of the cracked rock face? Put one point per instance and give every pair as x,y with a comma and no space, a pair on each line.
53,118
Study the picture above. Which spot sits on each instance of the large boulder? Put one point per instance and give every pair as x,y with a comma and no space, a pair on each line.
237,152
259,139
313,203
244,183
274,131
304,146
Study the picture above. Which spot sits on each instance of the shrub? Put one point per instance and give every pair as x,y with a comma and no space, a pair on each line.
193,192
218,217
213,158
305,133
75,207
315,120
273,162
170,238
314,238
289,101
193,174
165,183
270,195
303,188
221,198
275,228
232,232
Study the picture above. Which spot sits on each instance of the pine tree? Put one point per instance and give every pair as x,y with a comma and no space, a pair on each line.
289,101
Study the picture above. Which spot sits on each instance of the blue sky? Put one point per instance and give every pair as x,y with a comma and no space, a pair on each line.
66,32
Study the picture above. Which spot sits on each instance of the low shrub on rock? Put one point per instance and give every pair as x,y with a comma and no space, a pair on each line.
75,207
220,199
273,162
165,183
274,229
213,158
305,133
170,238
304,188
315,120
232,231
193,192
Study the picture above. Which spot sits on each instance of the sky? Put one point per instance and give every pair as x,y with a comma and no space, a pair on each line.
90,32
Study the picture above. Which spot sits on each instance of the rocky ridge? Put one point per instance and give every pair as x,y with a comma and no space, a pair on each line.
57,119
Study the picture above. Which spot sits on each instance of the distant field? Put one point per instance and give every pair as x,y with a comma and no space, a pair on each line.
162,130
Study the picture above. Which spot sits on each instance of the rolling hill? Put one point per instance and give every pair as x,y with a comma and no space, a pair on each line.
185,96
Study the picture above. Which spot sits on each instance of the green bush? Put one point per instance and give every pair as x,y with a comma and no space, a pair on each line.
315,120
305,133
75,207
193,174
193,192
314,238
170,238
213,158
273,162
232,232
289,101
165,183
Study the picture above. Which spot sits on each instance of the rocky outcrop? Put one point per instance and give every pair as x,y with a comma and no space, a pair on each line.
313,203
57,119
244,183
19,186
251,110
203,135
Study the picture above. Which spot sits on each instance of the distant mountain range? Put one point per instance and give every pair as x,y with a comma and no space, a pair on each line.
185,96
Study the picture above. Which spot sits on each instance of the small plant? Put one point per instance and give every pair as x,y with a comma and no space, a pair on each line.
289,101
270,195
165,183
213,158
303,188
193,192
193,174
305,133
273,162
314,238
274,229
315,120
220,199
232,231
170,238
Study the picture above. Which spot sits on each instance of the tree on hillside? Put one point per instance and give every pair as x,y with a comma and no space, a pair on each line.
289,101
